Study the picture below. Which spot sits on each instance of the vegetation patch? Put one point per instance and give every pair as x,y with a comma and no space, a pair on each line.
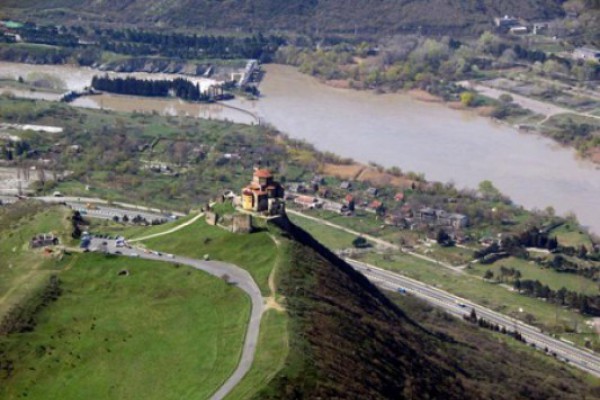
159,332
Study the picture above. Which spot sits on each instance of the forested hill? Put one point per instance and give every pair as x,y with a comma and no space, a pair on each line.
306,16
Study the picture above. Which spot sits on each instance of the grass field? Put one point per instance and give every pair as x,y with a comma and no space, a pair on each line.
98,226
23,270
547,276
332,238
256,252
160,333
568,235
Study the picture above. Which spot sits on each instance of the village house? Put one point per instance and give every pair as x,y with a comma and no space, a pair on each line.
539,28
372,191
346,185
518,30
505,23
318,180
375,205
440,217
458,221
399,197
263,194
334,206
307,202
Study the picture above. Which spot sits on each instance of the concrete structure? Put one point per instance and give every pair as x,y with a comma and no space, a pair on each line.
242,223
43,239
263,194
211,218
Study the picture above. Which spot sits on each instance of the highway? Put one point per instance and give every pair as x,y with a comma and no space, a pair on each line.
237,276
459,307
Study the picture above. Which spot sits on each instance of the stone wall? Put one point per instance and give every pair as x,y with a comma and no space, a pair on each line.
242,223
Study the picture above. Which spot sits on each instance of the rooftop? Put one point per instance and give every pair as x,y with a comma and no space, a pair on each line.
263,173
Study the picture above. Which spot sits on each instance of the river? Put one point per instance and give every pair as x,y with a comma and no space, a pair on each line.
446,145
395,130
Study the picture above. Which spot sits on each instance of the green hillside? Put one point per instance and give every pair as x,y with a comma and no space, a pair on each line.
307,16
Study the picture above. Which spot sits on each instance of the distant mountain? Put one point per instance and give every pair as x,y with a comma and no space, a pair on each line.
307,16
349,341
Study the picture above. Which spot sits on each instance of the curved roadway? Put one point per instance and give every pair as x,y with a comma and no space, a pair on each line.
238,277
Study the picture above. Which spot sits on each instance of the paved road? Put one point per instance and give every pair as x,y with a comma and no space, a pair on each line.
108,212
237,276
97,201
581,358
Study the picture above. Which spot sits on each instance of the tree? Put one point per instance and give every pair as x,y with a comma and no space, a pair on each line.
473,316
442,237
360,242
488,275
467,98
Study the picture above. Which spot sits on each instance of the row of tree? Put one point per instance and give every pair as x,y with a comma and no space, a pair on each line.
585,304
181,88
139,43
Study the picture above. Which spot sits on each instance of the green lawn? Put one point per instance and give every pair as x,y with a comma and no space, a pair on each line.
23,270
332,238
256,252
160,333
569,235
547,276
99,226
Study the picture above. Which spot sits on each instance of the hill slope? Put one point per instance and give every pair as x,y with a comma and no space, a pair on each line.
348,340
310,16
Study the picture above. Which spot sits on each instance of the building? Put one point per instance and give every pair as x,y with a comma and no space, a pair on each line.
506,22
372,191
346,185
307,202
334,206
44,239
539,28
518,30
263,194
458,221
586,53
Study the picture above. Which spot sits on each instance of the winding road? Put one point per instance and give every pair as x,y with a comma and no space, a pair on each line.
236,276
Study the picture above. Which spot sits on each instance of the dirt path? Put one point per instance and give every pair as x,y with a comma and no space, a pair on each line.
537,106
174,229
